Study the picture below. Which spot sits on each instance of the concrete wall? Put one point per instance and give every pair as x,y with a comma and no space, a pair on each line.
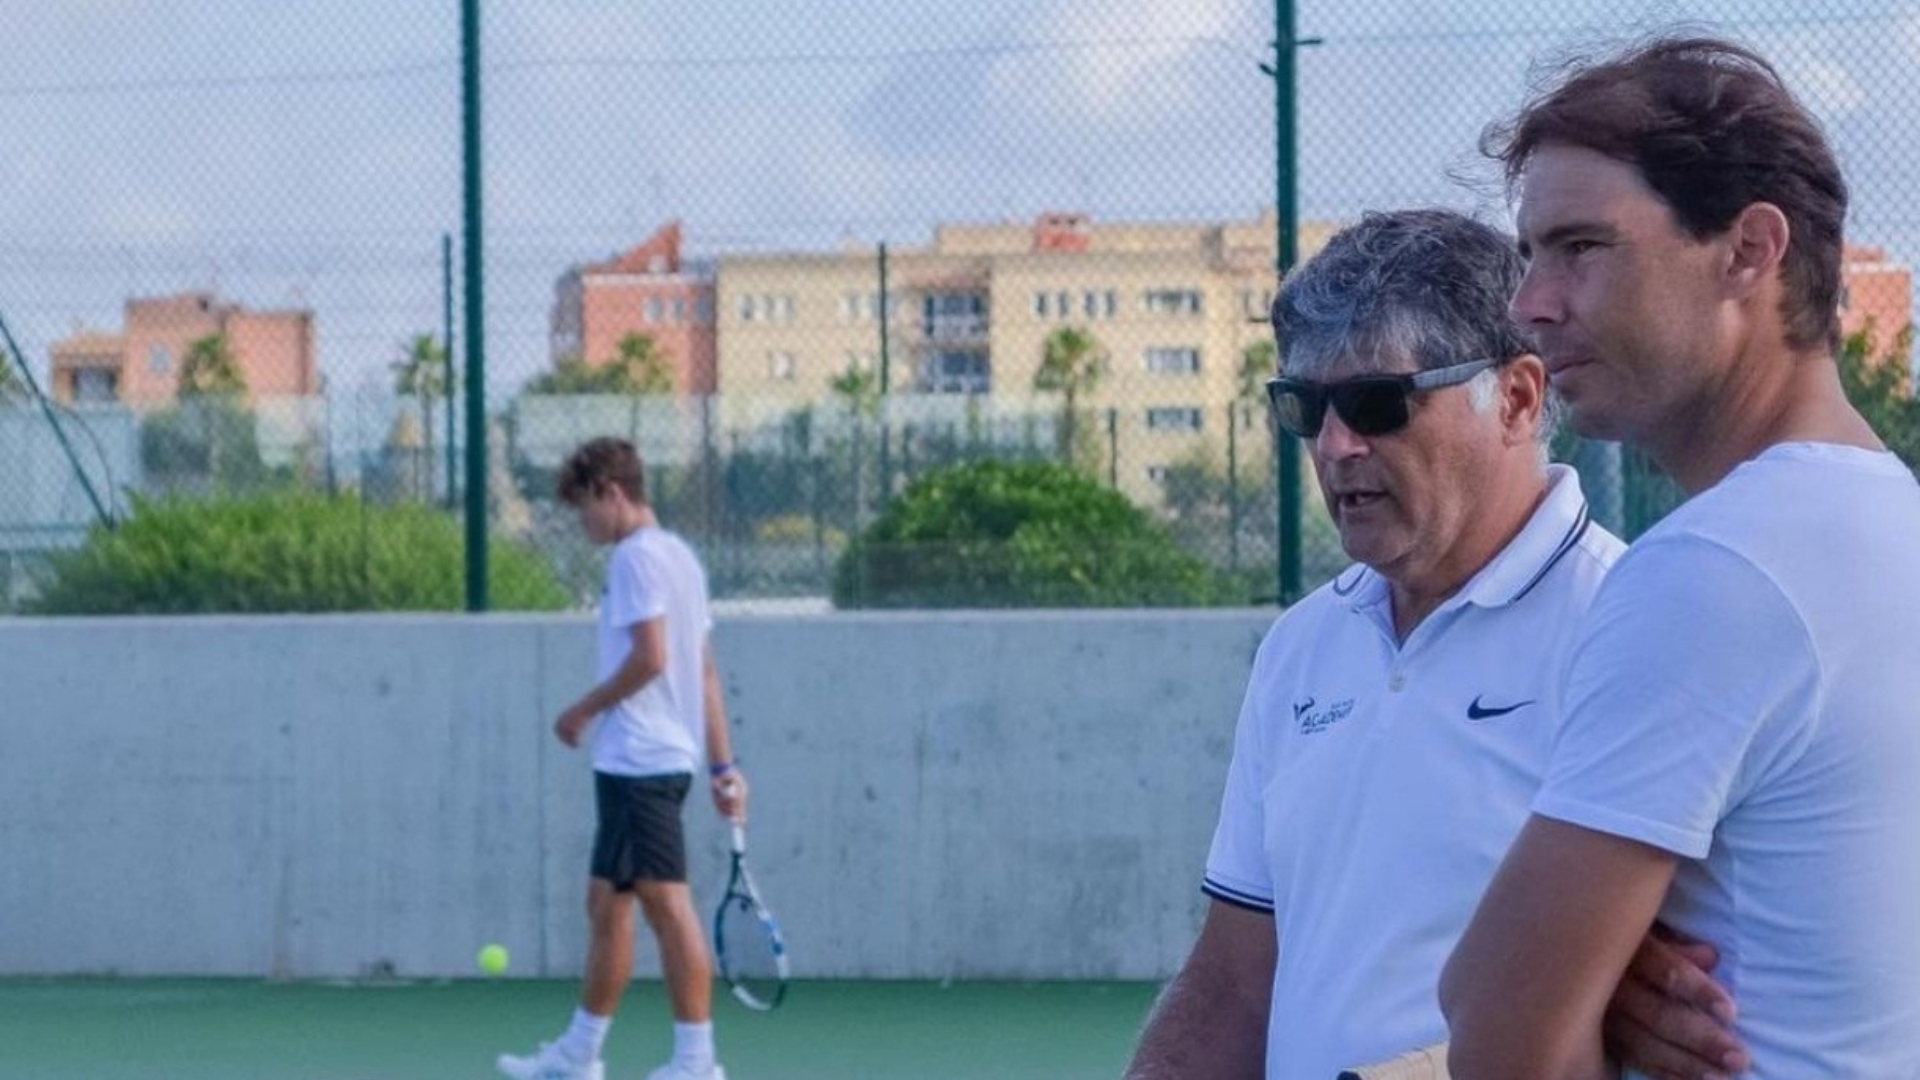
1019,795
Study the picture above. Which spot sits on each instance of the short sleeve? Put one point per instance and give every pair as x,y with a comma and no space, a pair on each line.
1237,869
632,595
1694,679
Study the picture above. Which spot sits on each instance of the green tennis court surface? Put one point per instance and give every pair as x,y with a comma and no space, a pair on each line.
175,1029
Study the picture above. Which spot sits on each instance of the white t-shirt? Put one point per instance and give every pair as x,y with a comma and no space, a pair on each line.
1375,786
1746,695
661,728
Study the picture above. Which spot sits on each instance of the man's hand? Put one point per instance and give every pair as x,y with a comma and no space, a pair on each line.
1668,1018
730,794
572,724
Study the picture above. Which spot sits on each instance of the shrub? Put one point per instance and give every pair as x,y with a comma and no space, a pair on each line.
284,552
1018,534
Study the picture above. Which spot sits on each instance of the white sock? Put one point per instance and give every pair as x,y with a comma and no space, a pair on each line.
585,1036
693,1046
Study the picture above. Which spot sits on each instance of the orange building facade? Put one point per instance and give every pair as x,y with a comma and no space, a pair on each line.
649,290
140,365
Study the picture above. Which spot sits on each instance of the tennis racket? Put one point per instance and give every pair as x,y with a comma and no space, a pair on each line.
1426,1063
746,939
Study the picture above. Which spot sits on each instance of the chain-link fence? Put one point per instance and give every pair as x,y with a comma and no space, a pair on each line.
802,259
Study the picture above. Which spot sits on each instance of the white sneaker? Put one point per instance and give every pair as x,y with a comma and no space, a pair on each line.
548,1063
673,1070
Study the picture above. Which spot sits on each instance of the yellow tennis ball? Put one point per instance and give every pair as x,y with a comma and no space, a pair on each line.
493,959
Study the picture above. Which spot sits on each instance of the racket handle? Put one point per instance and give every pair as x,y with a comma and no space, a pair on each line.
739,837
1426,1063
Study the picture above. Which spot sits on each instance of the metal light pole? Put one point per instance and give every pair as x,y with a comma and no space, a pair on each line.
476,531
1286,158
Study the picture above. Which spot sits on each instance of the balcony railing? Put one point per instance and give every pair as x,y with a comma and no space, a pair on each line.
956,328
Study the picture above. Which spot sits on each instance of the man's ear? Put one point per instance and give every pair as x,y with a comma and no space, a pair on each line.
1756,245
1523,398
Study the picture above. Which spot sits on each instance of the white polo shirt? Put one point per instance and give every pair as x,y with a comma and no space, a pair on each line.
1746,695
661,728
1376,785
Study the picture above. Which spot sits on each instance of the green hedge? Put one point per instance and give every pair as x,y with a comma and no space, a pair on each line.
284,552
1019,534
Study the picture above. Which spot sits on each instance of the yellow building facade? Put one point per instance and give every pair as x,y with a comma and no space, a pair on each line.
1172,308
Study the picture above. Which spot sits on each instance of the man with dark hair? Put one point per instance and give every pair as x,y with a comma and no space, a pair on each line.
1740,752
1396,719
657,706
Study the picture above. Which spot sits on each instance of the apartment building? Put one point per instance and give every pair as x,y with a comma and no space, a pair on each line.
961,323
140,365
647,290
967,317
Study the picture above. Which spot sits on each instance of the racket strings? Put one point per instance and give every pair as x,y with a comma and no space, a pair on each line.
750,951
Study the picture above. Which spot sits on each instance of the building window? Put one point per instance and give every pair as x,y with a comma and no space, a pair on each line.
1099,304
779,307
159,360
955,372
1173,361
858,307
679,311
1173,301
92,385
860,361
749,308
955,316
780,365
703,310
1173,419
1156,474
1846,296
656,313
1257,303
1040,305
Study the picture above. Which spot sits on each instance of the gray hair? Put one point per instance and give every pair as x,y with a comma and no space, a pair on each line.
1431,286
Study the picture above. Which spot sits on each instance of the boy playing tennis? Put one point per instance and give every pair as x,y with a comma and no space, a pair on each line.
657,704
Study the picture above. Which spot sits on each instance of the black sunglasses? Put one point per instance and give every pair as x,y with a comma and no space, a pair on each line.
1369,404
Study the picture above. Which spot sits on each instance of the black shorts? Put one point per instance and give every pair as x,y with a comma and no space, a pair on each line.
640,837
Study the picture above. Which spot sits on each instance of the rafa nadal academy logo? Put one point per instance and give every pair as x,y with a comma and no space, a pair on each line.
1311,722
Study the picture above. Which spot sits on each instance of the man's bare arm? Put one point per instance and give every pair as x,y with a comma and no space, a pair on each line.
1527,987
1211,1020
644,663
729,786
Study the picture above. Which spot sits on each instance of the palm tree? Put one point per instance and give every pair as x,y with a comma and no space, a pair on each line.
638,368
209,370
644,367
1072,363
1257,365
420,372
860,389
212,392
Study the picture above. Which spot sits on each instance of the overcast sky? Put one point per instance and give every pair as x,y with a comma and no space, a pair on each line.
307,153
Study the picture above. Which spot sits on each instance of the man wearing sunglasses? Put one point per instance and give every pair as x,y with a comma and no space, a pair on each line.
1397,719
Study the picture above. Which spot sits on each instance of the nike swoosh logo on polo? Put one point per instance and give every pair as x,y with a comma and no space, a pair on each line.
1477,711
